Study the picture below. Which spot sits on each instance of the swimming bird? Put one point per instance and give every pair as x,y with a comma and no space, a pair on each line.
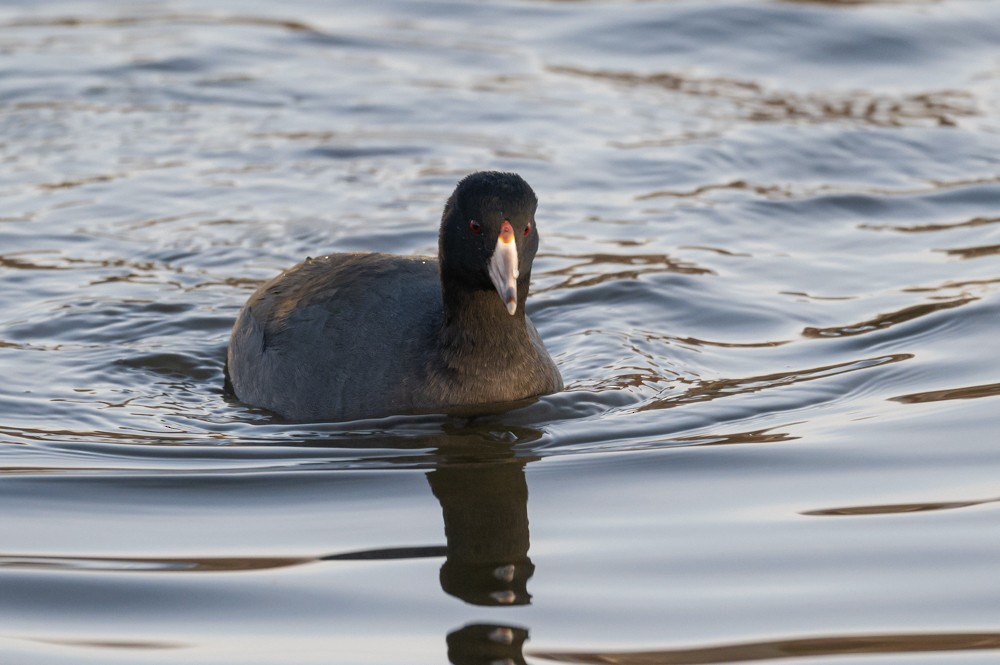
358,335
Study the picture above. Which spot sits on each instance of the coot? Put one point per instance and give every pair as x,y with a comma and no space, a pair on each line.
359,335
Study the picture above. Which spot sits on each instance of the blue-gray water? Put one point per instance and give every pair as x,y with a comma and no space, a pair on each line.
769,272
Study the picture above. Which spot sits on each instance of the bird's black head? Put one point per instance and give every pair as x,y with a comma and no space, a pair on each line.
488,237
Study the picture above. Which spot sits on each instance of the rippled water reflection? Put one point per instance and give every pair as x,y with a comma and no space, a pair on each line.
766,223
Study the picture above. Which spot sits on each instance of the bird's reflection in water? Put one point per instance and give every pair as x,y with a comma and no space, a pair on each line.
484,502
485,507
484,644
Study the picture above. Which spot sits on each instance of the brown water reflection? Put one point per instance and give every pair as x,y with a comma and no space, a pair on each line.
590,269
895,509
836,645
150,564
925,228
708,390
168,19
860,2
886,320
763,190
694,341
968,392
973,252
757,103
950,285
767,435
111,644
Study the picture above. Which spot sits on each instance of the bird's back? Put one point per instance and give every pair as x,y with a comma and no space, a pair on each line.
338,337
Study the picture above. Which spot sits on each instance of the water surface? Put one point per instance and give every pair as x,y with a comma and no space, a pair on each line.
768,272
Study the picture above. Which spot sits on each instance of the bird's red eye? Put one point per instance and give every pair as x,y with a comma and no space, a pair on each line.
475,227
527,229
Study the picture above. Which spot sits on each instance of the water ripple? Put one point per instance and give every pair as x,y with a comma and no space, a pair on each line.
834,645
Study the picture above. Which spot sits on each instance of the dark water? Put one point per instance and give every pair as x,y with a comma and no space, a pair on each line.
770,274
